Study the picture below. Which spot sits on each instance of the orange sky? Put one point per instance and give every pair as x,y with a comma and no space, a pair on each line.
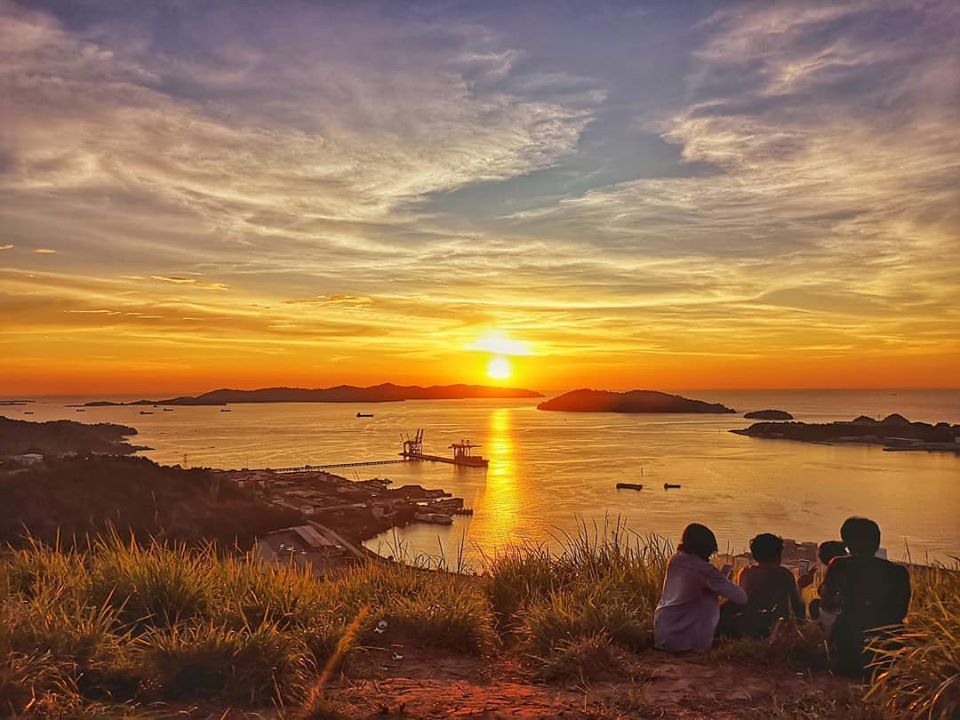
750,197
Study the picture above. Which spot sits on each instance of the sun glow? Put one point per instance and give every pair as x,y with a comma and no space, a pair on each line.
499,368
501,344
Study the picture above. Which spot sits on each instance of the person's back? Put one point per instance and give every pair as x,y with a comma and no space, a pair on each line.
868,593
872,592
771,589
688,612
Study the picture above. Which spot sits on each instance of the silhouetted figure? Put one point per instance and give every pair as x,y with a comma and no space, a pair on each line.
826,552
867,592
689,608
771,589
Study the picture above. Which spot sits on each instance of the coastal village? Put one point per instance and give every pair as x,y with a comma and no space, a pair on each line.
339,514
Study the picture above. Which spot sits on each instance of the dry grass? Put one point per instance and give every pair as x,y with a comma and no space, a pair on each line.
121,625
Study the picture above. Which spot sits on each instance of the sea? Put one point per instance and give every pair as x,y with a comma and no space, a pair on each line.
553,475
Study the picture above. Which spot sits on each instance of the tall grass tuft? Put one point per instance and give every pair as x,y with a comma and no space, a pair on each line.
605,581
918,670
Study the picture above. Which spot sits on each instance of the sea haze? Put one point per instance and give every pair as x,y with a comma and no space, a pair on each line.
549,470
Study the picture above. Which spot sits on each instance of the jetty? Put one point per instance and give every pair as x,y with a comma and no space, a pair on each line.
462,452
412,452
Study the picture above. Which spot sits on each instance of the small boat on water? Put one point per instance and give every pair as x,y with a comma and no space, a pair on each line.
224,409
670,486
168,409
28,412
629,486
435,518
80,410
364,414
146,412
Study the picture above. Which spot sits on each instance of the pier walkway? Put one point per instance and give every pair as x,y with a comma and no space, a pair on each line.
309,468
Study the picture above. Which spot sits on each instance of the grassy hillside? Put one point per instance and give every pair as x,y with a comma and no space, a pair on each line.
119,623
73,497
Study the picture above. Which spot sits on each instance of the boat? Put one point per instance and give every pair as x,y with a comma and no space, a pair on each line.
146,412
28,412
168,409
364,414
435,518
629,486
80,410
670,486
224,409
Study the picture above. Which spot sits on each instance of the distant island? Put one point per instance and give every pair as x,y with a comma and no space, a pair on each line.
894,432
768,415
634,401
59,437
385,392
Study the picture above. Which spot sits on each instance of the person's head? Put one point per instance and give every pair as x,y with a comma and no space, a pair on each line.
698,540
829,550
767,548
860,535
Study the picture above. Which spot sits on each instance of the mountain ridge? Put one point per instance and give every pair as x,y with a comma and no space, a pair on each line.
384,392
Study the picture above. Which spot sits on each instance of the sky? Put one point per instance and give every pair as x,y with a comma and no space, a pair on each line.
542,194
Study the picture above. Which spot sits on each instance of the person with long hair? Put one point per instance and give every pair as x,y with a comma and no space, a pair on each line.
689,610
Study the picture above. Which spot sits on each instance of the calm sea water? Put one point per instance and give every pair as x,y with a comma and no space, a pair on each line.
548,471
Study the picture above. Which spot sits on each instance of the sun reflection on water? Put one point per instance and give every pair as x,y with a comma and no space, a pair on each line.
497,506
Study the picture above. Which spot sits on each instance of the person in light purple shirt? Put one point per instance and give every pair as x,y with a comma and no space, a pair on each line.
689,610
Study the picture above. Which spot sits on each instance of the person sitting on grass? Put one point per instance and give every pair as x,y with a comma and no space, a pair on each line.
826,552
770,587
689,610
866,592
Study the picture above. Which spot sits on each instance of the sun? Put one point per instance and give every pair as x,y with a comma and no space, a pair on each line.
499,368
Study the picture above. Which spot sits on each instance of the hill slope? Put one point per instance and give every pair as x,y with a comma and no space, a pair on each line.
634,401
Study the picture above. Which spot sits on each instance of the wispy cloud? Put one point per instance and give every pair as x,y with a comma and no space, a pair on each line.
280,187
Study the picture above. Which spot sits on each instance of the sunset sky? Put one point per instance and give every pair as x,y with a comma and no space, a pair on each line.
661,195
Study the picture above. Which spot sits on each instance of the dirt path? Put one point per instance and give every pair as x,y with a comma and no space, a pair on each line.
655,686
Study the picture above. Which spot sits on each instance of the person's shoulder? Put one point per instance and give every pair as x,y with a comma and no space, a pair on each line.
897,570
839,563
786,573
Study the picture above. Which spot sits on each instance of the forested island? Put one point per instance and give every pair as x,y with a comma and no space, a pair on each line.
385,392
634,401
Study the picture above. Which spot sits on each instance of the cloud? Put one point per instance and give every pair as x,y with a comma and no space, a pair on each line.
189,281
295,157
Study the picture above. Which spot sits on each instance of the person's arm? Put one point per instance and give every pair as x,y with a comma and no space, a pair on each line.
901,601
794,593
718,583
830,590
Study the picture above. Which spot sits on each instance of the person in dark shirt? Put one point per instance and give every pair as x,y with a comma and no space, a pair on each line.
867,592
770,587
